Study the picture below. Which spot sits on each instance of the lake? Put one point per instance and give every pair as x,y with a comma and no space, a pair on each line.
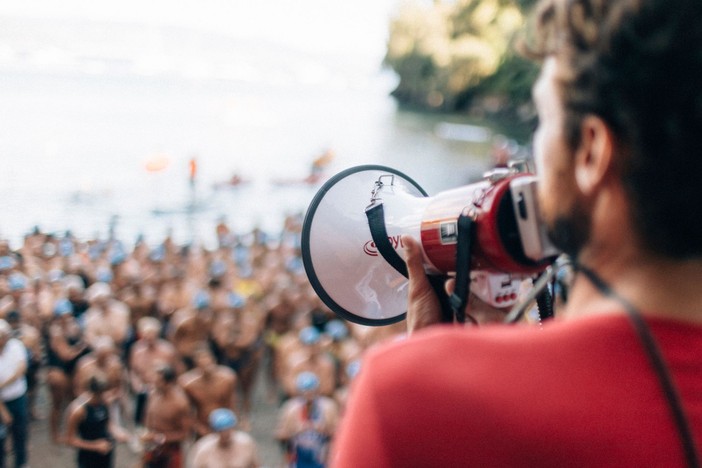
82,118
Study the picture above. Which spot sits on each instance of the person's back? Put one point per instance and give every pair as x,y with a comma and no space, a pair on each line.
579,393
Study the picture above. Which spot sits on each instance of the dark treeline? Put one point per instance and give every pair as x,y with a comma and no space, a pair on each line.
459,56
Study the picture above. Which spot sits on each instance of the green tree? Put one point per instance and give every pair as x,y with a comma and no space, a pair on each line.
450,56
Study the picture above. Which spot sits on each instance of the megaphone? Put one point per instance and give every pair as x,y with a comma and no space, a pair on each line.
353,227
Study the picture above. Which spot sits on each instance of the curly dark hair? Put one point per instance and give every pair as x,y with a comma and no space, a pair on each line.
637,64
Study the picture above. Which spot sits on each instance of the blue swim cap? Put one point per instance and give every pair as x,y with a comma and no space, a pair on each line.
201,300
295,265
7,262
94,251
218,268
235,300
66,247
104,275
158,254
117,257
306,382
352,368
336,329
55,276
240,254
222,419
309,335
17,281
63,307
245,271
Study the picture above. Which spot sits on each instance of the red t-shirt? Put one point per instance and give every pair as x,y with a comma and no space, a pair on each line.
574,393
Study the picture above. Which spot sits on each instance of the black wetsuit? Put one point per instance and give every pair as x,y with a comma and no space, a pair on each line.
53,359
94,426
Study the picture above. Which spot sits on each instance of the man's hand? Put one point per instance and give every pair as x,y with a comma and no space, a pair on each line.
423,307
103,446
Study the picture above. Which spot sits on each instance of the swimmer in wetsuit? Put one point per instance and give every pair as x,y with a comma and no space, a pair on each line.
237,338
64,348
89,428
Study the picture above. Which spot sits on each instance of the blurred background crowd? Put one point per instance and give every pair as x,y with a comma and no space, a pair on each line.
172,329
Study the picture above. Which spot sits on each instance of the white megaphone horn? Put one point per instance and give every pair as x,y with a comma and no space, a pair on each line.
349,246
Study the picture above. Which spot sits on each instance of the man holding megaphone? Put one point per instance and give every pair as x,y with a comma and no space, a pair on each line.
615,378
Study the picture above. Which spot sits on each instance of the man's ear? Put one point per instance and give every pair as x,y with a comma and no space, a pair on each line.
594,156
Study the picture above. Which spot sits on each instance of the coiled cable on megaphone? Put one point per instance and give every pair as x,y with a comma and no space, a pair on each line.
551,285
539,290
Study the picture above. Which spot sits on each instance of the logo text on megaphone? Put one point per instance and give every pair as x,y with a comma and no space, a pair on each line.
369,248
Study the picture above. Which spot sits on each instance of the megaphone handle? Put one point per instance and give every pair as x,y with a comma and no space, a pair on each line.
438,284
459,298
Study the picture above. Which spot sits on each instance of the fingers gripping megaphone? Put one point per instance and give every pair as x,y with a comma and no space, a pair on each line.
354,224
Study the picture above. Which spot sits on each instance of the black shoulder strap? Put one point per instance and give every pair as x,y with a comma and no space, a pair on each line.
657,361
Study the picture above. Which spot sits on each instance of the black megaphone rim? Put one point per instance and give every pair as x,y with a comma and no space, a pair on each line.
305,244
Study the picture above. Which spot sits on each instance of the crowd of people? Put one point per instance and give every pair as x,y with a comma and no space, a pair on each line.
160,347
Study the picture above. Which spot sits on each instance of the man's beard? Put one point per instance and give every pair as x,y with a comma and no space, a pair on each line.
571,231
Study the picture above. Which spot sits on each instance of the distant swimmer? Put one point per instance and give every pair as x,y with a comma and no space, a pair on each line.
167,421
64,348
208,386
319,165
106,315
306,424
147,355
226,446
235,180
192,170
317,171
90,429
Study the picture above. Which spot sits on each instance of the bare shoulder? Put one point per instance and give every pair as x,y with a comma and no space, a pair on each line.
137,348
120,308
244,439
205,442
76,409
30,333
85,362
187,378
226,372
115,362
181,399
326,402
55,331
289,407
166,347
